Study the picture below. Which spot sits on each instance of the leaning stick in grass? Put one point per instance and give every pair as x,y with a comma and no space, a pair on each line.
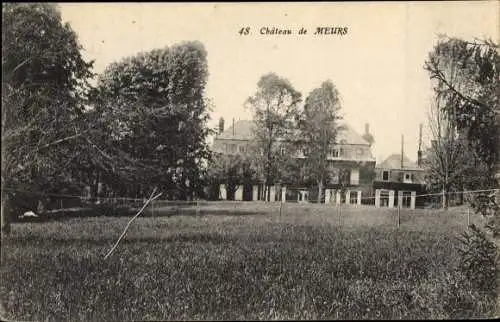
151,198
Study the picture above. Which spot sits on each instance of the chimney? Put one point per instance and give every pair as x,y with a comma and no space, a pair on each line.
367,128
419,158
221,125
233,126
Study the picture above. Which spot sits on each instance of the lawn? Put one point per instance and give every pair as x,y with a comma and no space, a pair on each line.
241,261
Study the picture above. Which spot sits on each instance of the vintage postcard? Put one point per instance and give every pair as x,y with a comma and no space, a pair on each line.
250,161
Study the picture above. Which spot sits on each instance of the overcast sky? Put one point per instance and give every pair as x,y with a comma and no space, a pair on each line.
377,66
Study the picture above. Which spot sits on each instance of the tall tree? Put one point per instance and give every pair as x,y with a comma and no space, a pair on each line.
275,108
466,76
319,129
156,113
444,162
44,89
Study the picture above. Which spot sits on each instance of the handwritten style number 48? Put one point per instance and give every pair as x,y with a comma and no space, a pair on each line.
244,31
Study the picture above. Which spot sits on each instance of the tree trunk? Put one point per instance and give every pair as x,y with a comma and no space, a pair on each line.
445,198
6,216
41,207
320,191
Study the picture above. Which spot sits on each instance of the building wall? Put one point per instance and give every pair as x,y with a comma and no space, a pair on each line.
345,152
229,146
355,152
396,187
397,175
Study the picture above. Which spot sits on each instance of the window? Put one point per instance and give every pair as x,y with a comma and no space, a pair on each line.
305,152
385,175
345,176
406,202
359,151
282,150
233,148
335,152
354,176
407,177
241,148
353,197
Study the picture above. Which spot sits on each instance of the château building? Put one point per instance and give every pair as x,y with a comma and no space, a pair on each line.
351,161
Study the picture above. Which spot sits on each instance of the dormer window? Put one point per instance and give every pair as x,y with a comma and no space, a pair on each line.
335,152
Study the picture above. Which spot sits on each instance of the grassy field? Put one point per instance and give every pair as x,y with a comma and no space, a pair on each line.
241,261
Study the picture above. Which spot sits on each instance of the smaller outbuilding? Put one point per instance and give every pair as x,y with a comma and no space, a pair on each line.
398,181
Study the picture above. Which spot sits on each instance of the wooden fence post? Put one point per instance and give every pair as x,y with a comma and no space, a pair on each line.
399,216
468,218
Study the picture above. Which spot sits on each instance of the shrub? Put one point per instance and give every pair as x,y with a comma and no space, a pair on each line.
478,256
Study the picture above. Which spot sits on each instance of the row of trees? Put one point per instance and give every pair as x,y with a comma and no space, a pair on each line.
142,126
282,127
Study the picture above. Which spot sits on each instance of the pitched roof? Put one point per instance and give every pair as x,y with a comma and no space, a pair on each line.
351,136
394,162
244,129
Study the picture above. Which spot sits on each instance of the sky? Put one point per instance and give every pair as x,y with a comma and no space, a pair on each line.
377,66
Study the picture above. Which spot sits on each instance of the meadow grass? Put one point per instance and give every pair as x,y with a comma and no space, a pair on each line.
307,264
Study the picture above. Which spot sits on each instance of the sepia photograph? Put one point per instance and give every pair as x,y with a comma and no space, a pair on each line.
250,161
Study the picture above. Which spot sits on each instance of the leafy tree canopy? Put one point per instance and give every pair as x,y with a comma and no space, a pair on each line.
44,90
275,106
154,109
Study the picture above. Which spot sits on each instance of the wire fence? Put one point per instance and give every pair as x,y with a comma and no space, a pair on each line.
340,208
